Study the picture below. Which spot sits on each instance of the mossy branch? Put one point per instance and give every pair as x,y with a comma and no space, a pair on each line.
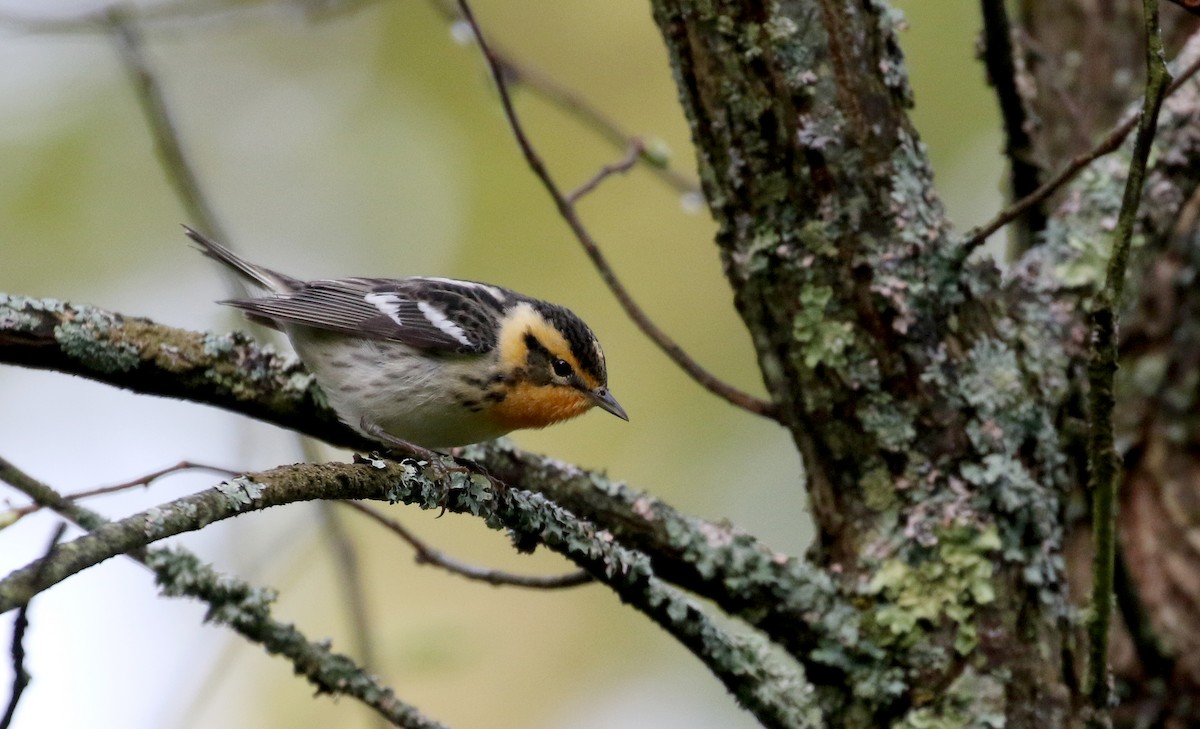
245,609
1103,463
770,688
791,600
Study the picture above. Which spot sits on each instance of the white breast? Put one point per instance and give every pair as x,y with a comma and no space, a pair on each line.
408,394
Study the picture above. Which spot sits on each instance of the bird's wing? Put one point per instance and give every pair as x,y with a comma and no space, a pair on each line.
433,314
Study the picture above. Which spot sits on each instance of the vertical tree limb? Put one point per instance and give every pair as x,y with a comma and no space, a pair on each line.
1103,462
1024,173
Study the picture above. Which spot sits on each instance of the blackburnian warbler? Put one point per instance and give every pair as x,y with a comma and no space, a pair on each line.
433,362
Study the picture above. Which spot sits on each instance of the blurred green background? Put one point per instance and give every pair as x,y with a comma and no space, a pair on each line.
372,143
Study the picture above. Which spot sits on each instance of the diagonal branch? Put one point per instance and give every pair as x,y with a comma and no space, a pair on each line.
771,689
243,608
566,209
175,163
428,555
574,104
1110,143
784,596
21,677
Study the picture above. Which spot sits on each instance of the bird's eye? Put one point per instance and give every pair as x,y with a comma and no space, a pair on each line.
561,367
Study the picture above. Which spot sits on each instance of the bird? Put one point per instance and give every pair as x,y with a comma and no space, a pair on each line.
430,362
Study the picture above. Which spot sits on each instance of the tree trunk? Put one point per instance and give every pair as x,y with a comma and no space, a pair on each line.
919,397
932,403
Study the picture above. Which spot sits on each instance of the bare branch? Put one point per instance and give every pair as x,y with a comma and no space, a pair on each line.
428,555
1002,72
21,677
573,103
1107,145
145,480
567,210
162,127
621,166
1103,461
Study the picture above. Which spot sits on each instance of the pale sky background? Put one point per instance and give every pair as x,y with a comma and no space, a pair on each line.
372,143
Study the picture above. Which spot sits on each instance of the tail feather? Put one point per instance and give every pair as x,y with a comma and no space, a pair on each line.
259,275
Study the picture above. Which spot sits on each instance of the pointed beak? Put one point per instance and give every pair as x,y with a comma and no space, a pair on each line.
604,399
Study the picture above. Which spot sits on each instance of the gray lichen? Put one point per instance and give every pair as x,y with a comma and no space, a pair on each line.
86,336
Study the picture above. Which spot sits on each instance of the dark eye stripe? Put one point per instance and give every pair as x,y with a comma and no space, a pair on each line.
533,344
580,339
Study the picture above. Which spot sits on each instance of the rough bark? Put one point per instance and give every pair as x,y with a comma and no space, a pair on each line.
922,396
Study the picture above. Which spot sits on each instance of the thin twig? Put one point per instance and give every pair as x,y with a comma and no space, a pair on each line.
1103,462
1107,145
21,677
619,167
179,170
1018,147
349,574
93,20
428,555
537,82
571,102
565,209
145,480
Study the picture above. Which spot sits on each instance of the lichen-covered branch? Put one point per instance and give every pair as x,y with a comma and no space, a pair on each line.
139,355
794,602
244,608
770,688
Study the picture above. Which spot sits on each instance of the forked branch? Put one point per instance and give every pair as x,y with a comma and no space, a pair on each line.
566,208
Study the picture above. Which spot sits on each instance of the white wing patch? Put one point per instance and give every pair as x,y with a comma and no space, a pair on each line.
389,304
439,320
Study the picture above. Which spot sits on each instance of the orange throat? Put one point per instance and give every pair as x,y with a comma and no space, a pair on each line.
531,406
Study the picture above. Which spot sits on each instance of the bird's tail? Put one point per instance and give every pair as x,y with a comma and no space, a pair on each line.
259,275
